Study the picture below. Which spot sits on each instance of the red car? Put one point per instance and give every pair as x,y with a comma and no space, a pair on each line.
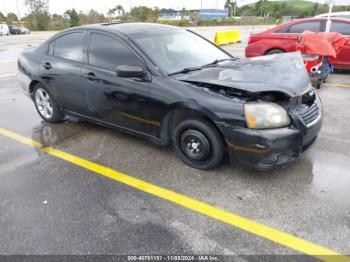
283,38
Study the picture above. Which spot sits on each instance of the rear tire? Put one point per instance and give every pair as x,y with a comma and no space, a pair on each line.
198,144
46,106
274,51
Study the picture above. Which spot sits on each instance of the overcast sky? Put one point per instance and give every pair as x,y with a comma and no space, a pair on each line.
59,6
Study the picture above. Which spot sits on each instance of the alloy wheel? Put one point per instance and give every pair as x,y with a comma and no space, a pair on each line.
43,103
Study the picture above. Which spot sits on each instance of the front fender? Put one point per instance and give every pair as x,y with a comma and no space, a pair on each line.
193,105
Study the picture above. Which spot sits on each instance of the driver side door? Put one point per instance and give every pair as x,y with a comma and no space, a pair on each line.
119,101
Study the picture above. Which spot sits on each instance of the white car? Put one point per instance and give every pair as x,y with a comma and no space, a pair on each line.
336,14
4,29
24,30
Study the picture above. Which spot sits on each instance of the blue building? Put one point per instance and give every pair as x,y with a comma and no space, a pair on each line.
211,14
203,14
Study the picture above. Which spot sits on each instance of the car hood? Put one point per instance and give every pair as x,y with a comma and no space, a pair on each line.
284,73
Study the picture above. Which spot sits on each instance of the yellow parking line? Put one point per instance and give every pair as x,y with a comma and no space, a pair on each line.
339,85
237,221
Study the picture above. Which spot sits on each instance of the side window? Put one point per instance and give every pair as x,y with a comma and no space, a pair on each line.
50,48
339,27
299,28
283,30
70,46
107,52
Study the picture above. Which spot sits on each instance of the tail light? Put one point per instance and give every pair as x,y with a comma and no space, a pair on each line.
253,39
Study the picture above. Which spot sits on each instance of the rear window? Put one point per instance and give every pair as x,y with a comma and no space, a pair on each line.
70,46
342,28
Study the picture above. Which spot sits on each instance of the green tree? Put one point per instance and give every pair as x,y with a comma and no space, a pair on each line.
73,17
228,7
111,13
58,22
92,17
37,6
119,9
261,8
276,9
2,18
185,14
156,12
11,17
314,9
142,13
39,17
305,13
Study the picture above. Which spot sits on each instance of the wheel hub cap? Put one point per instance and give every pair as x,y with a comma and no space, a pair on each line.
195,145
43,102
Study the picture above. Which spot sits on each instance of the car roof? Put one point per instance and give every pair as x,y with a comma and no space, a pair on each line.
296,21
333,13
129,28
302,20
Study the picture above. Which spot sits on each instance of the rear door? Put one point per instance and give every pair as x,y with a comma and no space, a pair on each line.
297,29
61,69
289,35
343,59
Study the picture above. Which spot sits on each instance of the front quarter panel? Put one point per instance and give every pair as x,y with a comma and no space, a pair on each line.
167,94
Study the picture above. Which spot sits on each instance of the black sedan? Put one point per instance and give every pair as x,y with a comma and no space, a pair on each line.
172,86
15,30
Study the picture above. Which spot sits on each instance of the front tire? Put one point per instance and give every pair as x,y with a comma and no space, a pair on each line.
198,144
46,105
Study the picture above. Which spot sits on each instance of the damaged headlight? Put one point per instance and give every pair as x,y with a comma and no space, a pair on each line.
261,115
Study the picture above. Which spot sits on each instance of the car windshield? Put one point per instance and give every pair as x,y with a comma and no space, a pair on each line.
175,50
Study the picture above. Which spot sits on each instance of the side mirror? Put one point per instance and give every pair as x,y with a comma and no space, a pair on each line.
130,71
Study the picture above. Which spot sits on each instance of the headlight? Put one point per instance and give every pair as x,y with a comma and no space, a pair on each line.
260,115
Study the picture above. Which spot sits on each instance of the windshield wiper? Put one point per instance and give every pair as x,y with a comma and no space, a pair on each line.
195,68
216,61
186,70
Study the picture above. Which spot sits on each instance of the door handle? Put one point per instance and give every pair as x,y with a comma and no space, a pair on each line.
47,66
90,76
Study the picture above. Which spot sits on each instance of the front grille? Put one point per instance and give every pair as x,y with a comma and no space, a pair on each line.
309,97
309,114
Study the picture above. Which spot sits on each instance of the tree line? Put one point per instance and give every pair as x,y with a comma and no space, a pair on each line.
39,17
277,10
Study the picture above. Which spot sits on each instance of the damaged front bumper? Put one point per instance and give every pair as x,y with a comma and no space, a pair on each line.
269,148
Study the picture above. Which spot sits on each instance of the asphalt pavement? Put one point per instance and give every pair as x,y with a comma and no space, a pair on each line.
51,206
